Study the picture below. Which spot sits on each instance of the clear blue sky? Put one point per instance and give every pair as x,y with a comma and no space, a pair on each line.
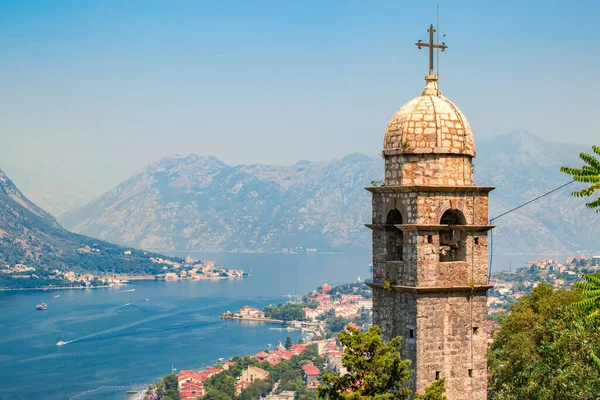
95,90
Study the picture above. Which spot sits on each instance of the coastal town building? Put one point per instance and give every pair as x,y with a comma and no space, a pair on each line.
285,395
252,312
274,357
429,231
311,373
252,374
191,391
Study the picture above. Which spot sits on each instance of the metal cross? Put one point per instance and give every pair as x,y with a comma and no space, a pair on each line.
431,46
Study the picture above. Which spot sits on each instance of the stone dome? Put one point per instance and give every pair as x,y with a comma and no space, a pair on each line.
429,123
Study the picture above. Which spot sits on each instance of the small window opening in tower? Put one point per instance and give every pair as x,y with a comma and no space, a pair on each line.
475,330
476,240
411,333
394,236
452,239
437,375
470,373
429,239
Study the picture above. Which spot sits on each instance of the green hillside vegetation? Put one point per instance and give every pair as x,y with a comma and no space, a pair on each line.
545,349
32,237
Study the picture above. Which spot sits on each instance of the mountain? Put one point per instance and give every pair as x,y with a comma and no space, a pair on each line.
199,203
48,192
523,166
32,238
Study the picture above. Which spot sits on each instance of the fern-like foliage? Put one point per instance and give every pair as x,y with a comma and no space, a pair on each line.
589,173
590,290
595,358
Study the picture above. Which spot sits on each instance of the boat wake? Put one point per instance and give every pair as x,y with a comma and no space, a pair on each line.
139,386
128,290
115,332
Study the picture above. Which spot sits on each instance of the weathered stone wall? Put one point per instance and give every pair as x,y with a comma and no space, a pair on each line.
451,340
433,273
431,207
428,169
396,314
383,203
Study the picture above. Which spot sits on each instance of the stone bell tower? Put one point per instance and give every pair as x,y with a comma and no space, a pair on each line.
430,225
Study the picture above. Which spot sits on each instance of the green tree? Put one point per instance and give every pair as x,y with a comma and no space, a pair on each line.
255,390
376,370
167,389
543,350
435,391
589,173
590,290
288,342
214,394
222,383
336,324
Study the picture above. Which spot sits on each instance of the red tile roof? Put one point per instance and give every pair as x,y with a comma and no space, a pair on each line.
310,369
261,356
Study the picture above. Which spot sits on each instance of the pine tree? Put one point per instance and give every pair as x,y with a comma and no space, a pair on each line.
589,173
376,370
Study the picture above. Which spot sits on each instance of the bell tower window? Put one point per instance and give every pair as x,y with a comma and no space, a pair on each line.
452,239
394,236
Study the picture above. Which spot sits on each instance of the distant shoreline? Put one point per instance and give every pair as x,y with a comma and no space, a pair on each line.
130,278
255,252
47,289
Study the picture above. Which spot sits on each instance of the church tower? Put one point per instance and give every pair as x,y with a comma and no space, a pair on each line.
430,258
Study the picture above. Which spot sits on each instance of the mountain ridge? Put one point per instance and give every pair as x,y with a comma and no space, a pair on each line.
198,203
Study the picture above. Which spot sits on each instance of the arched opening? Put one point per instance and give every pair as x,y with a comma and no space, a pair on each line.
452,241
453,217
394,239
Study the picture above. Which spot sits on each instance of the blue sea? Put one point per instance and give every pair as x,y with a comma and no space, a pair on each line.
119,341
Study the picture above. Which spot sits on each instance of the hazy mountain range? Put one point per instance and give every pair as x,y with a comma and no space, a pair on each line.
197,202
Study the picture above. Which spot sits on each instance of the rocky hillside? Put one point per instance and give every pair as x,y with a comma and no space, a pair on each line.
522,166
31,236
197,202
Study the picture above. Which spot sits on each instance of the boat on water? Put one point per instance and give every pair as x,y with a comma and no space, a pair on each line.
42,306
221,359
60,343
148,299
57,296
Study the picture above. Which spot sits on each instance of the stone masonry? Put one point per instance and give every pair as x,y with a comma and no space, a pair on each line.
429,227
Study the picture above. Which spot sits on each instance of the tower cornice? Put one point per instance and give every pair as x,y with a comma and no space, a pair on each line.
430,189
429,228
433,289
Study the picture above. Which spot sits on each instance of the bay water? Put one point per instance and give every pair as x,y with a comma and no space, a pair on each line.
117,340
